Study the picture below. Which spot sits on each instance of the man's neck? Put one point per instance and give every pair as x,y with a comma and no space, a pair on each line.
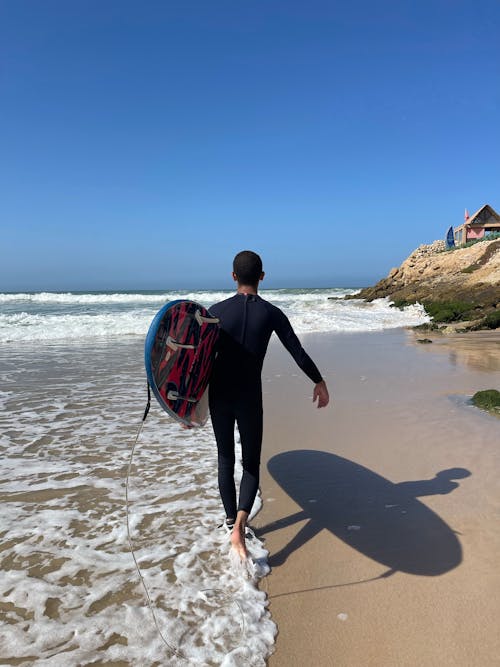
246,289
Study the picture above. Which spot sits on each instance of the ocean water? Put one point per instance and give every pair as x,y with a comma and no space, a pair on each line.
49,316
72,394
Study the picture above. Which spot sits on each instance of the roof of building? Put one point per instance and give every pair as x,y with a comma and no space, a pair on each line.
478,216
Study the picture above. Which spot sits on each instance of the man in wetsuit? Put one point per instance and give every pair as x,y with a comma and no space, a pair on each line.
235,394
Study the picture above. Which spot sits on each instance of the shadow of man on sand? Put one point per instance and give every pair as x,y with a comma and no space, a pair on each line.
382,520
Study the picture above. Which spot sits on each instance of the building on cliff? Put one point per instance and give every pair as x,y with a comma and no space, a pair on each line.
475,227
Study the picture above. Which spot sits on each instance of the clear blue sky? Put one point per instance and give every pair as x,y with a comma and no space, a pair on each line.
144,143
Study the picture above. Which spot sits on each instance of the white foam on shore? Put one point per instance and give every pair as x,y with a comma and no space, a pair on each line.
98,298
4,397
355,315
75,317
70,591
34,327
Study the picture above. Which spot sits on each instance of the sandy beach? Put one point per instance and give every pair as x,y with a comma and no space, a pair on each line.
380,511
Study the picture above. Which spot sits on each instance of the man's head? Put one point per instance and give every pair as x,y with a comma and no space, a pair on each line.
247,268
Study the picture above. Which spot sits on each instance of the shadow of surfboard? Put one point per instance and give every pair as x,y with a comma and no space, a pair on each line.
382,520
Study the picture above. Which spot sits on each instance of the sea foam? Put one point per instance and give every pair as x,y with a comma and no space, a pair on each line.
75,317
70,590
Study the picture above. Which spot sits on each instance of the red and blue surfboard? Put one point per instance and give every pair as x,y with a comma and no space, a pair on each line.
179,354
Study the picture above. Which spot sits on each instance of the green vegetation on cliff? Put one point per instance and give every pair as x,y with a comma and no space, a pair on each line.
448,311
492,321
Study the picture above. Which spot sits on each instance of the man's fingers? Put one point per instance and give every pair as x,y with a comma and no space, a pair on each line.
320,393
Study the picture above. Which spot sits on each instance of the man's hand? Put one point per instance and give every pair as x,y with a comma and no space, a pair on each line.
321,394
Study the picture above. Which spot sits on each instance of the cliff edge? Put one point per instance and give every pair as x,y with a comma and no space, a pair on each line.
459,286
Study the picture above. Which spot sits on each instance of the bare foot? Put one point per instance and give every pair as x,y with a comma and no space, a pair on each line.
238,541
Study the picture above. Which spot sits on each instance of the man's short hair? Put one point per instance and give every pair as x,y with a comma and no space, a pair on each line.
247,266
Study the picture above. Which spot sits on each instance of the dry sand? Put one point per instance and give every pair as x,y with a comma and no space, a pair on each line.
381,511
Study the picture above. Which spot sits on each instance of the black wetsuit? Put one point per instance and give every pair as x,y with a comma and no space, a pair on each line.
235,392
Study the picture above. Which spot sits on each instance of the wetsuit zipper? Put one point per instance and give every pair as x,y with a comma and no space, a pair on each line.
244,324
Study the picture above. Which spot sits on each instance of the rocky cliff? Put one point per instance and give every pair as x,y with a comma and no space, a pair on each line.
460,285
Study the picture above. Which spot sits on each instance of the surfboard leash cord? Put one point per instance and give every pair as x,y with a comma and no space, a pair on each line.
177,652
174,650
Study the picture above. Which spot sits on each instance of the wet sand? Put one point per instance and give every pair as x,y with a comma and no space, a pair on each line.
380,512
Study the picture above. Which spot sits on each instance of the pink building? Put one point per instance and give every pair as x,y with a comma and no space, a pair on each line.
483,222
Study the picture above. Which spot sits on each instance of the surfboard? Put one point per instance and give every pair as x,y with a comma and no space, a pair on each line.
179,352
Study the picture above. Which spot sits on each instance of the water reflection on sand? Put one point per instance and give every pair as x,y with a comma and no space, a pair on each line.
479,350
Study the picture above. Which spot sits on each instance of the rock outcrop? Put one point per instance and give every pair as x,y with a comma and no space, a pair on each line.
465,280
